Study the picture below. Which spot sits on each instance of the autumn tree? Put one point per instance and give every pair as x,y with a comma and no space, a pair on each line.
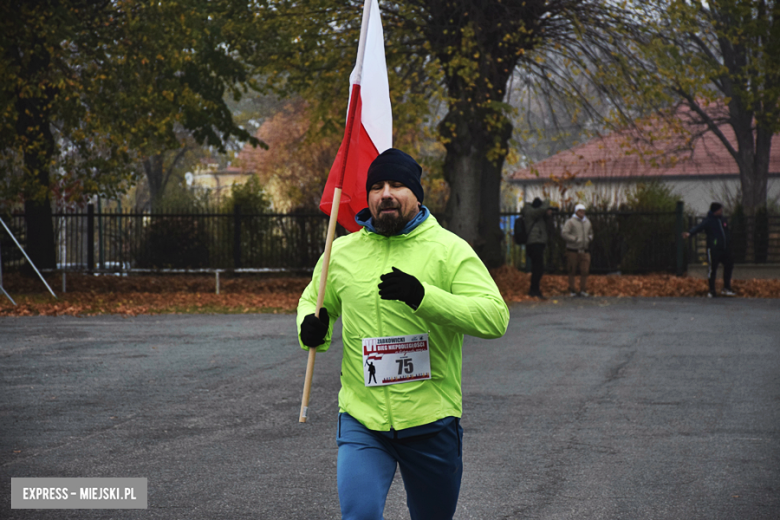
188,60
91,87
461,52
721,60
296,163
41,106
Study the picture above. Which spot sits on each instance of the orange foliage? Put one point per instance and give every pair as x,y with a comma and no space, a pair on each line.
294,168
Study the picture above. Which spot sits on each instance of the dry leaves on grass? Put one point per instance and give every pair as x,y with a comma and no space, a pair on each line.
132,304
514,285
133,295
162,284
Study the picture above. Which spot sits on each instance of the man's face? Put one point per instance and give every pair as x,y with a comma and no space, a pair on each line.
392,205
581,213
719,212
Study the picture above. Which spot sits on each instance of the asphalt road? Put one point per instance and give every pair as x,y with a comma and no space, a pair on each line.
586,409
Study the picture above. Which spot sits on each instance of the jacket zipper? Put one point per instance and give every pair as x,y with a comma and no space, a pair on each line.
581,233
381,329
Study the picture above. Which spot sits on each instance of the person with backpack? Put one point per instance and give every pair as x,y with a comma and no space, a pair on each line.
532,231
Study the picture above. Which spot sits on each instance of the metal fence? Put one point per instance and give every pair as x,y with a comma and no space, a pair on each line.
623,242
626,242
123,241
764,248
642,242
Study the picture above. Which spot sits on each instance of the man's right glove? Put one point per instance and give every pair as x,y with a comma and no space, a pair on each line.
314,330
397,285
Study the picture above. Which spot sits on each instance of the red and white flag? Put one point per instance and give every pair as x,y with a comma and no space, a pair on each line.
369,129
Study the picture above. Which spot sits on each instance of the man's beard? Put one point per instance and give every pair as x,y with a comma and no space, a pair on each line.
389,225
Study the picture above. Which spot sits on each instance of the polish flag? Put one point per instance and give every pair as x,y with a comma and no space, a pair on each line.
369,128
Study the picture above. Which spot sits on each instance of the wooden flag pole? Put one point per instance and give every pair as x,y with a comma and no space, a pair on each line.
334,213
334,209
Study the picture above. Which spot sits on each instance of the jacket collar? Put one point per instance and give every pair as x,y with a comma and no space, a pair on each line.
365,219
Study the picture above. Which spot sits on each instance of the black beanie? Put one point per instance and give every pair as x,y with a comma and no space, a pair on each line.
715,206
395,165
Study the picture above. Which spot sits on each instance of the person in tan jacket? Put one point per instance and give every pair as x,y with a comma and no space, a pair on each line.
578,234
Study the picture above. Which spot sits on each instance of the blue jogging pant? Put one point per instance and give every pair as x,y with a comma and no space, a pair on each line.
431,466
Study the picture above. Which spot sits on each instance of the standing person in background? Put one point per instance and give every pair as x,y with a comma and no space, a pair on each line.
536,218
718,248
578,234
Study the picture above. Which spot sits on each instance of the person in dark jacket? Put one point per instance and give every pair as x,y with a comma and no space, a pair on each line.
536,217
718,247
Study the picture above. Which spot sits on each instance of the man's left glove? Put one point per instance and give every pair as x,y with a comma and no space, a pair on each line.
314,329
397,285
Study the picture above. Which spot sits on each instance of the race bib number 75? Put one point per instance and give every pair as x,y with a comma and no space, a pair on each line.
396,359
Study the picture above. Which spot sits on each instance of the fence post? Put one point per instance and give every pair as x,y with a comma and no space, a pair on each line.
90,236
679,228
101,257
237,237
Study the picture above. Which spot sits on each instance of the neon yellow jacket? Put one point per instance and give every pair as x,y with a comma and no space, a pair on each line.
460,298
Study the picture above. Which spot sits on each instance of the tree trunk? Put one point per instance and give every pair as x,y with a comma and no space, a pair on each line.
752,158
40,234
478,45
153,167
157,175
34,124
41,247
473,170
755,178
752,121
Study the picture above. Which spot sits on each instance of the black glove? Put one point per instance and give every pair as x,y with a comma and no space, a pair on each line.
398,285
314,330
